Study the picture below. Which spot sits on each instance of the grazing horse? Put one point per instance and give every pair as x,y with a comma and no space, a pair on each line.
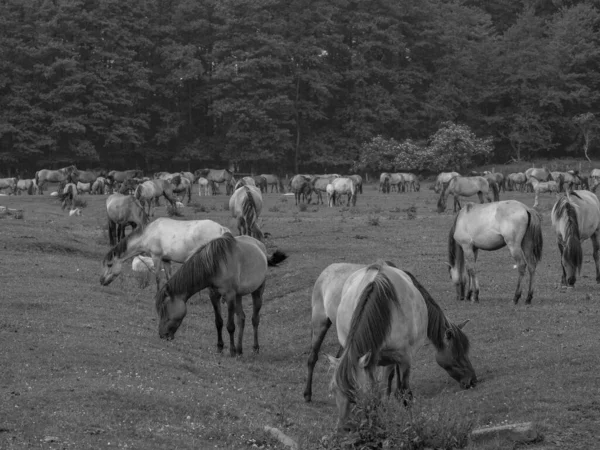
540,187
99,186
301,187
345,186
443,178
397,181
330,195
384,182
496,177
67,195
358,181
516,181
55,176
274,181
26,185
218,177
466,187
412,182
246,205
123,210
319,185
383,317
151,191
491,227
575,218
204,186
165,240
261,183
231,268
181,184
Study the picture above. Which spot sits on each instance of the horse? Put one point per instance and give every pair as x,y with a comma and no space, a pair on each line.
217,176
246,205
516,181
261,183
55,176
318,186
301,187
575,218
116,178
345,186
384,182
382,315
182,184
497,177
466,187
491,227
26,185
412,182
231,267
123,210
67,195
165,240
87,176
274,181
99,186
594,179
150,191
358,181
330,195
540,187
84,187
204,188
443,178
244,181
539,174
397,181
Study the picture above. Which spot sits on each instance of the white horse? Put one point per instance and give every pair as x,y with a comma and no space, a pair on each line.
204,186
345,186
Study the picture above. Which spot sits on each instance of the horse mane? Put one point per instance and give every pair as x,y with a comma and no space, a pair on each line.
176,180
121,247
564,210
202,265
438,324
370,324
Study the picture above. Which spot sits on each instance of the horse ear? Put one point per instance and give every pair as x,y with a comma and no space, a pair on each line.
462,324
364,360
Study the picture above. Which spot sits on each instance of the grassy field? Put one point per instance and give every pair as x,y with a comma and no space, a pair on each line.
82,366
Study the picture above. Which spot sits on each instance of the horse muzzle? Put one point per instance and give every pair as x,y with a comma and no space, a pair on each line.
469,383
105,281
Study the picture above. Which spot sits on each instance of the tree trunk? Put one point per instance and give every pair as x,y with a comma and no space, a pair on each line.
297,150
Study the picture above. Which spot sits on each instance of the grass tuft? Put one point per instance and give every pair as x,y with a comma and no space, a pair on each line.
302,207
174,211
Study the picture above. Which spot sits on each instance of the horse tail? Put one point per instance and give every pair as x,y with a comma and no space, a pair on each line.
441,204
456,255
276,258
533,234
495,190
30,189
369,327
564,210
249,215
138,193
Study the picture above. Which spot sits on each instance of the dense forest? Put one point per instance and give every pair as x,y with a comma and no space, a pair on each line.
293,85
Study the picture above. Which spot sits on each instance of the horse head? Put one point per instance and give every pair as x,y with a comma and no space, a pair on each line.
111,268
453,356
171,310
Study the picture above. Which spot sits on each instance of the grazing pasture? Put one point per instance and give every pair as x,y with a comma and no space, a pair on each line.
82,366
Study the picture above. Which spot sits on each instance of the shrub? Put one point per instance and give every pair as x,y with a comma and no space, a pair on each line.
411,212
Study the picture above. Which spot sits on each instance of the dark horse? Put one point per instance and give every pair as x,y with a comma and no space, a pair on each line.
231,267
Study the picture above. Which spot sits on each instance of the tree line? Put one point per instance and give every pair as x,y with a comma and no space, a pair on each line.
295,85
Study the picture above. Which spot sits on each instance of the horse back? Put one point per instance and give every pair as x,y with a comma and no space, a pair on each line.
588,212
251,267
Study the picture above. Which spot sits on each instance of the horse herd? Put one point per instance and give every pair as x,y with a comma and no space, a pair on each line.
381,313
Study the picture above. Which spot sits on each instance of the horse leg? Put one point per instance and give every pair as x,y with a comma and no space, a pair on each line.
320,326
231,300
215,299
473,283
517,253
481,199
596,247
535,203
561,248
256,306
403,382
241,323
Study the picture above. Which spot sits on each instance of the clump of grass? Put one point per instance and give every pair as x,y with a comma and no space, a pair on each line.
78,202
226,205
143,279
283,200
174,211
375,210
213,207
274,208
373,220
389,424
411,212
201,208
302,207
18,215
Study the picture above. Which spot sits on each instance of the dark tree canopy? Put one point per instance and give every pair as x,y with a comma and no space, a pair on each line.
272,85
